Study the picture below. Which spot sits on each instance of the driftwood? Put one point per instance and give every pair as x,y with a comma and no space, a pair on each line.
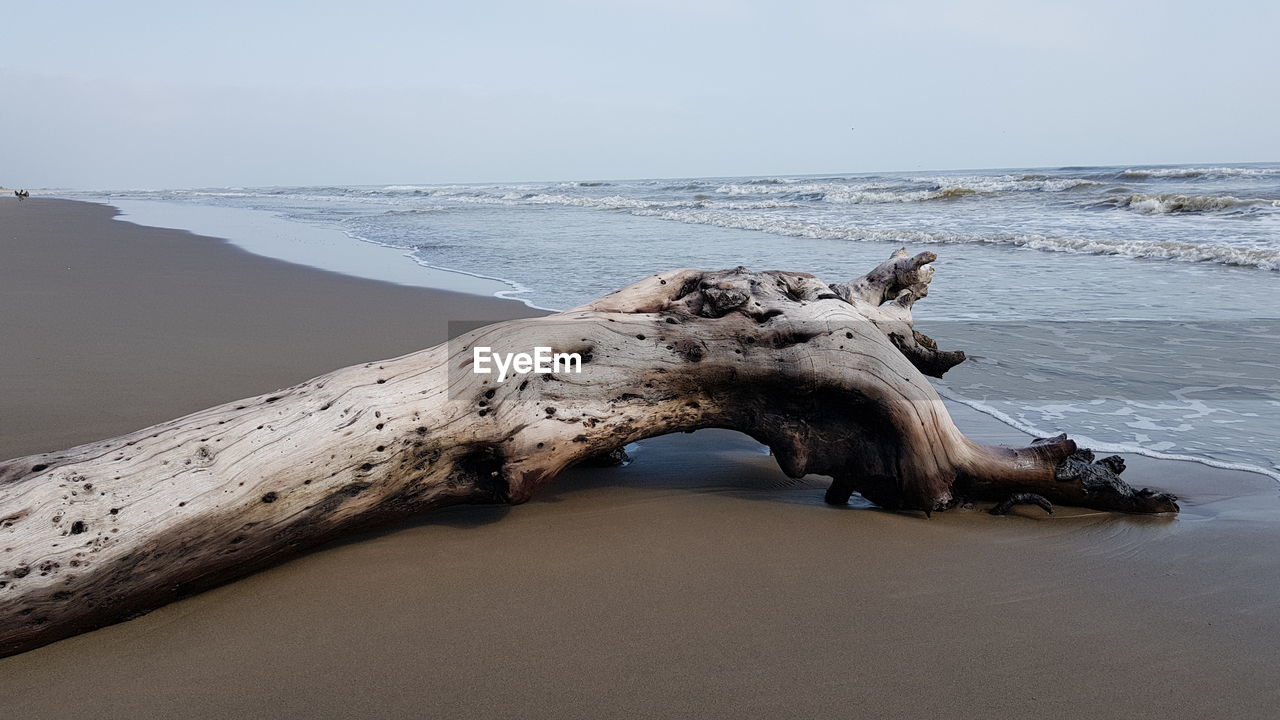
830,377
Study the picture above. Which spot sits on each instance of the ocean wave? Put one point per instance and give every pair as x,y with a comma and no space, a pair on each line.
619,202
914,190
793,188
162,194
413,212
1169,203
1007,183
848,194
736,215
609,202
860,197
754,205
1182,172
1241,256
451,190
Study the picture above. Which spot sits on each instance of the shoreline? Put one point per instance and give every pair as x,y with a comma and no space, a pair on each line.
248,236
272,235
1103,447
268,234
697,580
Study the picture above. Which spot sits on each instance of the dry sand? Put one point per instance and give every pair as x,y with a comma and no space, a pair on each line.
698,581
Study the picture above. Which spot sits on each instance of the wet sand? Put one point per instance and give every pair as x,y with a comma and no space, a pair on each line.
696,581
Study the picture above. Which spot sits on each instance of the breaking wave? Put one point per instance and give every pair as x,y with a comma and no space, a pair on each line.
1183,172
1241,256
1167,203
1008,183
738,214
917,189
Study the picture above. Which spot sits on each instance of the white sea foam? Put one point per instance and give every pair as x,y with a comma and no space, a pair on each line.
1099,445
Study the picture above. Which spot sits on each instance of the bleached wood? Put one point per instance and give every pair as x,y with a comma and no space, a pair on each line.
828,376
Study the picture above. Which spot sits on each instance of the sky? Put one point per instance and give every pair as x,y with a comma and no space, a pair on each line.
131,95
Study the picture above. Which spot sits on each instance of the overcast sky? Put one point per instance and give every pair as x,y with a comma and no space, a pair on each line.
162,94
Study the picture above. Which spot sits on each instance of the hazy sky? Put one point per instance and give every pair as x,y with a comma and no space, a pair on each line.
163,94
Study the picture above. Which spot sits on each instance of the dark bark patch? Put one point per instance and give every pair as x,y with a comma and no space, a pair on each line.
481,469
270,497
720,301
689,287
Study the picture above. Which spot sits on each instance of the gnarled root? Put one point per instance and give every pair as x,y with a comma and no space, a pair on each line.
1007,504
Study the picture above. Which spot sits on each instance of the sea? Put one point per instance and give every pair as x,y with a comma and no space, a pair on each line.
1136,308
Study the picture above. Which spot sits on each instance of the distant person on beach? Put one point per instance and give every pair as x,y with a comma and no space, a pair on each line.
22,194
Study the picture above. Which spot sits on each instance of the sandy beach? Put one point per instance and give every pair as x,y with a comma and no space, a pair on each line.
697,581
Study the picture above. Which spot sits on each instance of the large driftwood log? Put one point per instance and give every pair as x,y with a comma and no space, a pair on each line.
831,377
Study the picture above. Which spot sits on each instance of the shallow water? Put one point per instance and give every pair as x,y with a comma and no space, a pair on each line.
1133,307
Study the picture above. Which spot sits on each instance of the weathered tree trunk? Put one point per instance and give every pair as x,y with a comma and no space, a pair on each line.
828,376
